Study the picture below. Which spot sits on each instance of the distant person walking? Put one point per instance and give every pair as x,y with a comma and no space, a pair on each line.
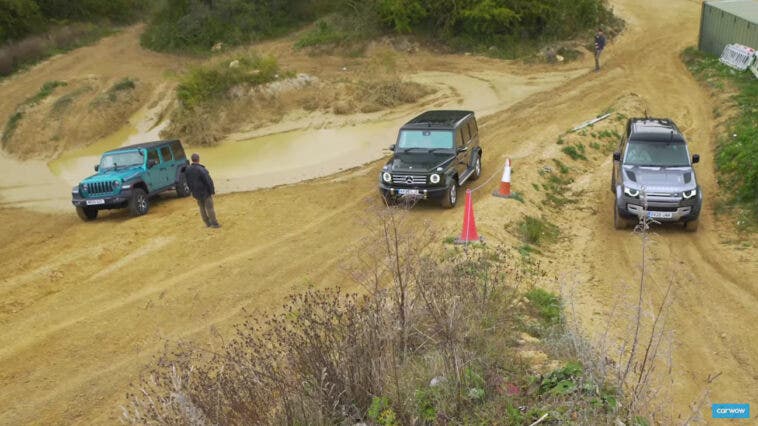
201,185
599,46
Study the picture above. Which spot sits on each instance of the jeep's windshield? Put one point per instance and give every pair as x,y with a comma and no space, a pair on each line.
656,154
118,160
425,139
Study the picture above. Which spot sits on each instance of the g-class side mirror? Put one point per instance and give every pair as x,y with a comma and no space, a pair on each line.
151,163
616,156
97,167
462,149
695,158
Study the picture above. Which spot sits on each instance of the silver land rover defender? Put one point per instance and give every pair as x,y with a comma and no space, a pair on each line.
653,175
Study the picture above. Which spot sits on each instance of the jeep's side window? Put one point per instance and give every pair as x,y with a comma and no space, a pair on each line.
466,134
152,154
178,151
165,154
459,137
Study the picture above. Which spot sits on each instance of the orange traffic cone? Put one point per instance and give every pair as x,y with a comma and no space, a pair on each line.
468,234
505,183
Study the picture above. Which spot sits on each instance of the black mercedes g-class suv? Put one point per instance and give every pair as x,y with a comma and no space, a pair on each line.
435,153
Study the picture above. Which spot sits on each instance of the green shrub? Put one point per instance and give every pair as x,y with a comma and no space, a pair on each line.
547,304
536,231
206,84
574,151
46,90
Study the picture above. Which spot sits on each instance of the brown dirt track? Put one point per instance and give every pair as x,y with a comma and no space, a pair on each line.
84,307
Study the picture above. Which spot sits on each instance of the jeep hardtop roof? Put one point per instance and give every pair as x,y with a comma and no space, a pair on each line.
438,119
654,130
145,145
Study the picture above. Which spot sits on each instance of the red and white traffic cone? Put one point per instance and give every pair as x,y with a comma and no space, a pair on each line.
505,182
468,233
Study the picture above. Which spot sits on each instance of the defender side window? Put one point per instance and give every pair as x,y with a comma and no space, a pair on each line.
166,154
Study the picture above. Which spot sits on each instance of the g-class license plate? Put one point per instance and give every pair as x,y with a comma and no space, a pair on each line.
660,215
408,192
95,202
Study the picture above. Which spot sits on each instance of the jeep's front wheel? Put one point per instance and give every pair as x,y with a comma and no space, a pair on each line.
86,213
138,204
451,196
477,168
182,188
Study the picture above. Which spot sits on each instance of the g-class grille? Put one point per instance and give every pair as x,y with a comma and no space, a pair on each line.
100,187
409,179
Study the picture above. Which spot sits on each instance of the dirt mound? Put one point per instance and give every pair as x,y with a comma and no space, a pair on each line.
68,114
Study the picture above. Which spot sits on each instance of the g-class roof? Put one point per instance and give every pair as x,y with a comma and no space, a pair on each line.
146,145
654,130
439,119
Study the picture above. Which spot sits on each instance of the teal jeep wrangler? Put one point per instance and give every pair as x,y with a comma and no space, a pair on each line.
129,176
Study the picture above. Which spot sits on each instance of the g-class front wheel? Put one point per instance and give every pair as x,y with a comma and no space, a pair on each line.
86,213
477,168
138,204
451,196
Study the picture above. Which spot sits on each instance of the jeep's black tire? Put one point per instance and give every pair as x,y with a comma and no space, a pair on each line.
691,225
451,196
138,204
182,188
618,221
86,213
477,168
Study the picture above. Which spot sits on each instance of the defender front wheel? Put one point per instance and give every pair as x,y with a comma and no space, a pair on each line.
618,221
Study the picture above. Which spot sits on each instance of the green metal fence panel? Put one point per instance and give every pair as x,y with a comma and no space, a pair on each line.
728,21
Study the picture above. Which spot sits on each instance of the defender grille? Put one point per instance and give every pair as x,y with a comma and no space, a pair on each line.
100,187
409,179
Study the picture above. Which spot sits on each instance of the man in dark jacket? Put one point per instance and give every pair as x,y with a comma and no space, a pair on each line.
201,185
599,46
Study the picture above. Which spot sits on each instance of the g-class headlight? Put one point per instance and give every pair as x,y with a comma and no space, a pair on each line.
634,193
434,178
689,194
387,177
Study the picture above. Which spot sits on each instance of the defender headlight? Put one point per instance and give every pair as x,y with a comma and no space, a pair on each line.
689,194
434,178
387,177
634,193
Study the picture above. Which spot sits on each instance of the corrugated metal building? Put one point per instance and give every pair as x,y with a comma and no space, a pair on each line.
728,21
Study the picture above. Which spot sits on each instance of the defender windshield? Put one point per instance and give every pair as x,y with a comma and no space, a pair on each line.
122,160
427,139
657,154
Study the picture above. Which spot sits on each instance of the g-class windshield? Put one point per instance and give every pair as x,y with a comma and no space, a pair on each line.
121,160
425,139
656,154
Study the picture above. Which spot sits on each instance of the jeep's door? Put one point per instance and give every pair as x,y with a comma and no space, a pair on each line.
166,168
153,177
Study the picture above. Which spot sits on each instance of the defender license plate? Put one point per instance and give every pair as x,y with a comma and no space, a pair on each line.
95,202
660,215
408,192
